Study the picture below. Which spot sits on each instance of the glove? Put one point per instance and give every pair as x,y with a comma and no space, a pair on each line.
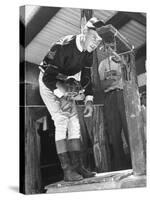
74,90
66,104
73,85
78,97
71,88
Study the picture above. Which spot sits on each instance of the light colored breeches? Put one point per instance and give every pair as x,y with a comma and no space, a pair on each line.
64,122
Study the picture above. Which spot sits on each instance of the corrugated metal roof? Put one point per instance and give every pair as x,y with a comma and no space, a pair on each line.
30,11
35,52
134,32
104,15
67,22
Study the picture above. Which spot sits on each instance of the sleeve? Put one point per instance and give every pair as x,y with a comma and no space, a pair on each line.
86,77
54,59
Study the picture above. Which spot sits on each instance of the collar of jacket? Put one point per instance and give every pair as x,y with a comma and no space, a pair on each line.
80,48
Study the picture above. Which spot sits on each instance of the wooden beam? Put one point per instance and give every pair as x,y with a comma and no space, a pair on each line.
93,128
87,13
32,181
119,20
36,24
122,18
137,17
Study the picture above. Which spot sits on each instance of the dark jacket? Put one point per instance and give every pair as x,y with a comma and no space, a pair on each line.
68,60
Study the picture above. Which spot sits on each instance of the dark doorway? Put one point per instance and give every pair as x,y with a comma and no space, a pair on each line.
49,163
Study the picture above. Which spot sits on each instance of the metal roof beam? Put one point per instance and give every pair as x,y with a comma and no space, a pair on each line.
37,23
122,18
119,20
137,17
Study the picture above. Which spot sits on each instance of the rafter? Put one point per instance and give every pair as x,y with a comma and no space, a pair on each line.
122,18
137,17
119,20
36,24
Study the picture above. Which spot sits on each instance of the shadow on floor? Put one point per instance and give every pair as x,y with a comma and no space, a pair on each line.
14,188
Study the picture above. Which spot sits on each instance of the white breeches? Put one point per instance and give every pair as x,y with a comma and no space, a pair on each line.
66,125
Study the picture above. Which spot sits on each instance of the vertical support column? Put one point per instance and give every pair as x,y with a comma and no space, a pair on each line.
98,92
133,114
86,14
32,162
94,129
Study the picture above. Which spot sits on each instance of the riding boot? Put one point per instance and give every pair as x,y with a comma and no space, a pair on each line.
74,146
77,163
69,173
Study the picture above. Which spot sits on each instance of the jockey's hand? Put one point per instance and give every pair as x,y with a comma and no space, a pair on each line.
88,109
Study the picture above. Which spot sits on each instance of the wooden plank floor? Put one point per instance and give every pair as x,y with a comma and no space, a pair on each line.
110,180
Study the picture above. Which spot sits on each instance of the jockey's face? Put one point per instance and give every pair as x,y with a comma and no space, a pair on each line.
92,40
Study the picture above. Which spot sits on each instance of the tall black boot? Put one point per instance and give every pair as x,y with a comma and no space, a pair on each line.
69,173
77,163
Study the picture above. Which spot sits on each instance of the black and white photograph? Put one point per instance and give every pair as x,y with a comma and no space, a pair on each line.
82,99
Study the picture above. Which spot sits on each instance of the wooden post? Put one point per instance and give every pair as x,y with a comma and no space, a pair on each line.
86,14
98,92
94,127
32,159
133,113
